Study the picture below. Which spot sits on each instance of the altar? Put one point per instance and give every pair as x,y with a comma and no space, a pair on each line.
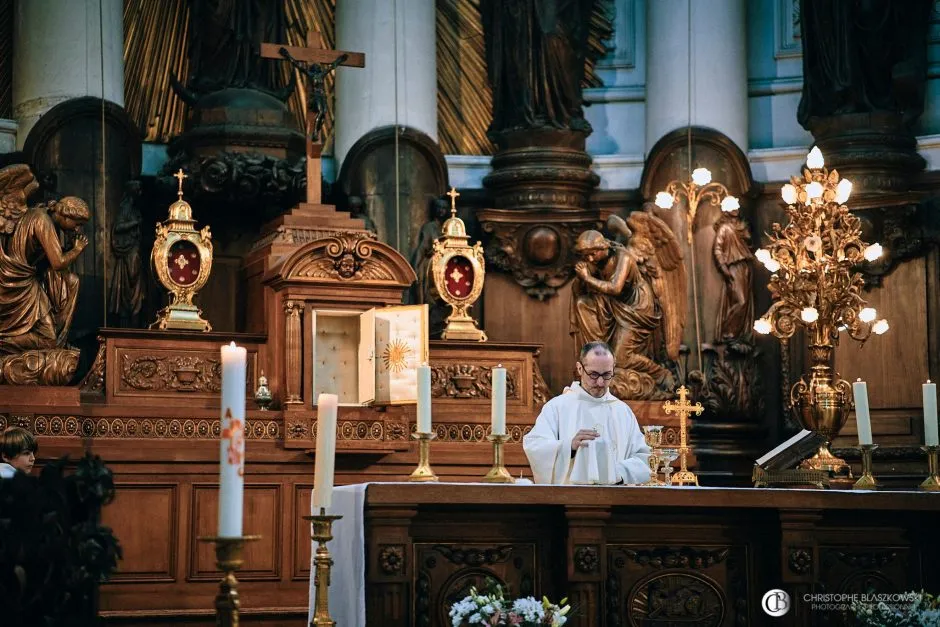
624,556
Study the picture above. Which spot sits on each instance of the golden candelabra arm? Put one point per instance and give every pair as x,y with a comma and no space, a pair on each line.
498,473
423,471
867,481
932,482
321,533
228,559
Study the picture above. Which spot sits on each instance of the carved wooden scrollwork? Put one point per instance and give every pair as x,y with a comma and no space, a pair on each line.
185,373
469,381
474,556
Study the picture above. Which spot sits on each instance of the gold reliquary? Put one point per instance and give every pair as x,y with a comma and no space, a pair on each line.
458,270
182,260
369,357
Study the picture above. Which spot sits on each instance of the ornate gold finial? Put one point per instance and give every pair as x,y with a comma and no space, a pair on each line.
180,175
453,193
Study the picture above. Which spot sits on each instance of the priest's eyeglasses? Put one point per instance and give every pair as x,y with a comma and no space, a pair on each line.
594,376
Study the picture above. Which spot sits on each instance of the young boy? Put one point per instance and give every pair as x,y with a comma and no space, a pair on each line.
18,448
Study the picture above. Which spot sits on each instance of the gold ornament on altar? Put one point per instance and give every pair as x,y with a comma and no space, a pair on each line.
683,408
815,284
458,270
182,259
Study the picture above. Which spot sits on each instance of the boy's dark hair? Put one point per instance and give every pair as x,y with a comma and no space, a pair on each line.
16,440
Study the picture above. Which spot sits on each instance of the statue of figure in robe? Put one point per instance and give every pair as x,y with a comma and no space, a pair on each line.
126,296
225,39
424,291
632,296
535,52
863,56
732,254
37,292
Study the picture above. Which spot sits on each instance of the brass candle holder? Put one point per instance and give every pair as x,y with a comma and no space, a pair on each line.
423,472
228,559
932,482
867,481
498,473
322,532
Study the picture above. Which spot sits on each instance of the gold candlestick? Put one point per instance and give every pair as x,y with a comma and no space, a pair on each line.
867,481
683,408
228,559
498,473
322,532
932,482
423,472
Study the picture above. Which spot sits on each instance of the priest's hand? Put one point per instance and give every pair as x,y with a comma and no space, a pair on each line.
582,436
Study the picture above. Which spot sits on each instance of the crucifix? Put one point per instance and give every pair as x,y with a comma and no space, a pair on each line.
453,193
683,408
315,62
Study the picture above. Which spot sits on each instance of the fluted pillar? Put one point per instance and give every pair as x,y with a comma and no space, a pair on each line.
65,50
718,68
399,82
293,358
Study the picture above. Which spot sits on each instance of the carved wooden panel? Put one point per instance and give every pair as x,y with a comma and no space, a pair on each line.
705,585
173,372
145,518
262,557
300,529
444,574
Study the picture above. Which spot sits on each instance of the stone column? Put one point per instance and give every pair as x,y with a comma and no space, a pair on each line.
65,50
399,82
7,135
719,68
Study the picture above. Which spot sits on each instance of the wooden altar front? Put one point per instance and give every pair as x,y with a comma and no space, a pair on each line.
642,556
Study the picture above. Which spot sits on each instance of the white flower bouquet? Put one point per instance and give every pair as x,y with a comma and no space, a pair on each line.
494,609
918,608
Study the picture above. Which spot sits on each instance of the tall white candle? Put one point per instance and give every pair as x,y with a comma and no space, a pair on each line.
232,445
499,401
862,415
930,413
424,398
325,462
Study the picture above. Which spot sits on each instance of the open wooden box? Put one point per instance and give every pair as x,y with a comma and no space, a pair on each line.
369,357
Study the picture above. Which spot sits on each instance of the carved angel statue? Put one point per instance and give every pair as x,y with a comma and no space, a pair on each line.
632,295
37,293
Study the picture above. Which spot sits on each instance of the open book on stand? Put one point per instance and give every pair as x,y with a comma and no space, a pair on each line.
779,466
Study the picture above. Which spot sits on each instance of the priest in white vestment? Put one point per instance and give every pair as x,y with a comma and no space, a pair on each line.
587,436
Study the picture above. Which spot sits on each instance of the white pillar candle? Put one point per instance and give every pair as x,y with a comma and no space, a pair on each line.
499,401
232,445
424,398
325,462
930,413
862,415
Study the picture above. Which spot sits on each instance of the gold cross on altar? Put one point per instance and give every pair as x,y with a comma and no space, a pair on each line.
453,193
314,53
683,408
179,176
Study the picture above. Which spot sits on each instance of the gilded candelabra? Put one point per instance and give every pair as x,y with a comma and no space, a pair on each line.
498,473
322,532
683,408
699,188
423,471
815,285
228,559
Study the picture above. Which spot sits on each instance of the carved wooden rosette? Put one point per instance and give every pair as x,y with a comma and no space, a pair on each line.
458,270
182,259
541,182
537,248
